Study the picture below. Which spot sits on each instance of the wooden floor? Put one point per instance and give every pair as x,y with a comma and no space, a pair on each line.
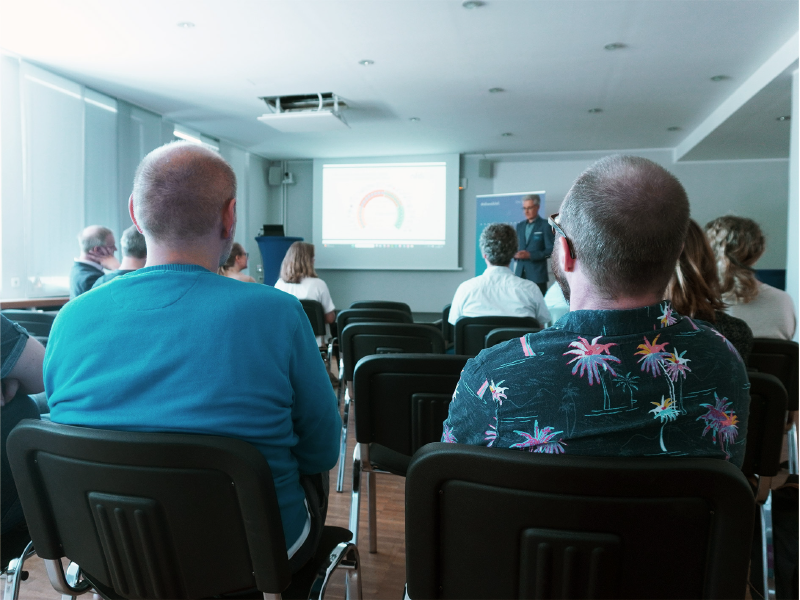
383,573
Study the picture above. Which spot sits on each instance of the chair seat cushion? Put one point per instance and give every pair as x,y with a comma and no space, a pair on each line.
387,459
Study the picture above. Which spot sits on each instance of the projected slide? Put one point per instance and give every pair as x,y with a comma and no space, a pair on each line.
397,205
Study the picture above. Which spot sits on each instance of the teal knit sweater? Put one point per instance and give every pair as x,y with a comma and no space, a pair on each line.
178,348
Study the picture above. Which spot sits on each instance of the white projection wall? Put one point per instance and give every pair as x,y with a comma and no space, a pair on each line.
386,213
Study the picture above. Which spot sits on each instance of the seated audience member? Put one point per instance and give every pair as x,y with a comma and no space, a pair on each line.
97,253
556,303
299,279
694,291
134,255
738,243
622,373
167,349
21,359
497,291
235,264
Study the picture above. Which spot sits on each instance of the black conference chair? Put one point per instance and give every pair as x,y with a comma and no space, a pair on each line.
501,523
503,334
762,458
447,327
402,402
780,358
343,319
161,515
470,332
37,323
316,316
391,305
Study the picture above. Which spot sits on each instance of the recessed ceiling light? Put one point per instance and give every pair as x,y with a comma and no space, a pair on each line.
496,90
414,119
506,134
615,46
186,25
366,63
720,78
784,118
593,111
473,4
673,128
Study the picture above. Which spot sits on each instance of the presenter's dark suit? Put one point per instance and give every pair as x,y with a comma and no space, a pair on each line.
540,247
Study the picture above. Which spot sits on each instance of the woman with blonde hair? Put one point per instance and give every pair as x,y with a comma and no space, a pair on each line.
299,279
694,291
737,244
236,263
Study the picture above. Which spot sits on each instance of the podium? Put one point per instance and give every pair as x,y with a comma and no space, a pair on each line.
273,248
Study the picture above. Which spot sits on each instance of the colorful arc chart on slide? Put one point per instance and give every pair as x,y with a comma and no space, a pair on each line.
383,205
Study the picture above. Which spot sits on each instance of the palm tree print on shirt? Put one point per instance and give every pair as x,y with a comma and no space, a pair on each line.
589,358
721,424
628,381
656,361
491,433
541,440
664,410
666,317
570,392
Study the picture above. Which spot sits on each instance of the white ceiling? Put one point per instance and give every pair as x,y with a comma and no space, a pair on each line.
434,60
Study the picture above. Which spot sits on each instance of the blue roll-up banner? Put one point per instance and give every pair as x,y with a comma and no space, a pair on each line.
500,208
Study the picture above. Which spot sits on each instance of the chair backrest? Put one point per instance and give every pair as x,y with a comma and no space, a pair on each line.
402,400
765,425
358,340
501,523
503,334
390,304
778,358
470,332
151,515
316,315
447,327
370,315
35,322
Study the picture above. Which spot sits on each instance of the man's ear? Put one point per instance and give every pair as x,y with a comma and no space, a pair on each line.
133,217
228,218
567,262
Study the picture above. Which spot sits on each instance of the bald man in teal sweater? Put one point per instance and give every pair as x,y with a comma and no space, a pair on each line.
176,347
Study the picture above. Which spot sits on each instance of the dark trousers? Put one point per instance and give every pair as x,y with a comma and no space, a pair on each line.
317,488
543,287
21,407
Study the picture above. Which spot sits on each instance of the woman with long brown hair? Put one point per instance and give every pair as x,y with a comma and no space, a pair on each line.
236,263
694,291
737,244
299,279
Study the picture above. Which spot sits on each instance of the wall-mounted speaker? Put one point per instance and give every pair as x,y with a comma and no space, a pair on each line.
485,169
275,176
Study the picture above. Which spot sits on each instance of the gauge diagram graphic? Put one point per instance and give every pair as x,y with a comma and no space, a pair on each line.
386,208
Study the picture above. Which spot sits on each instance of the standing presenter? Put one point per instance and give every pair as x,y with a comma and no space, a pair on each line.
535,240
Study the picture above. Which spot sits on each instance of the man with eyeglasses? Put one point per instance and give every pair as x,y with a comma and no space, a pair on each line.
535,244
97,253
622,373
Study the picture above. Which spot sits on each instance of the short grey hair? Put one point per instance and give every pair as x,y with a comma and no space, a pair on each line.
93,236
535,198
626,218
180,189
133,243
499,243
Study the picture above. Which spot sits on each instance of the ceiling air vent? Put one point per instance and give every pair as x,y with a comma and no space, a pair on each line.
306,113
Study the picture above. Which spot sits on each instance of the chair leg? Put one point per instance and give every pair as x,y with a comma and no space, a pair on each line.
355,494
346,556
343,442
767,549
373,520
68,588
792,440
15,575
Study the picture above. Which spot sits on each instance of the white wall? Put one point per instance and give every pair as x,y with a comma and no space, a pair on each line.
750,188
792,250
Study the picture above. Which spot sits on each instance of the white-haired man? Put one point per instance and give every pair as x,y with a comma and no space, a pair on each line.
621,373
166,348
97,253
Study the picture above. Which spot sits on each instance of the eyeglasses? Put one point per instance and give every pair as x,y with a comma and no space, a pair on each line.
557,229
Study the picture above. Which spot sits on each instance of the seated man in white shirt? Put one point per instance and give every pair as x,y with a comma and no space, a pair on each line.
498,292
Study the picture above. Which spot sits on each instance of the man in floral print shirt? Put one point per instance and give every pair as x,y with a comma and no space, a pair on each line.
621,374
